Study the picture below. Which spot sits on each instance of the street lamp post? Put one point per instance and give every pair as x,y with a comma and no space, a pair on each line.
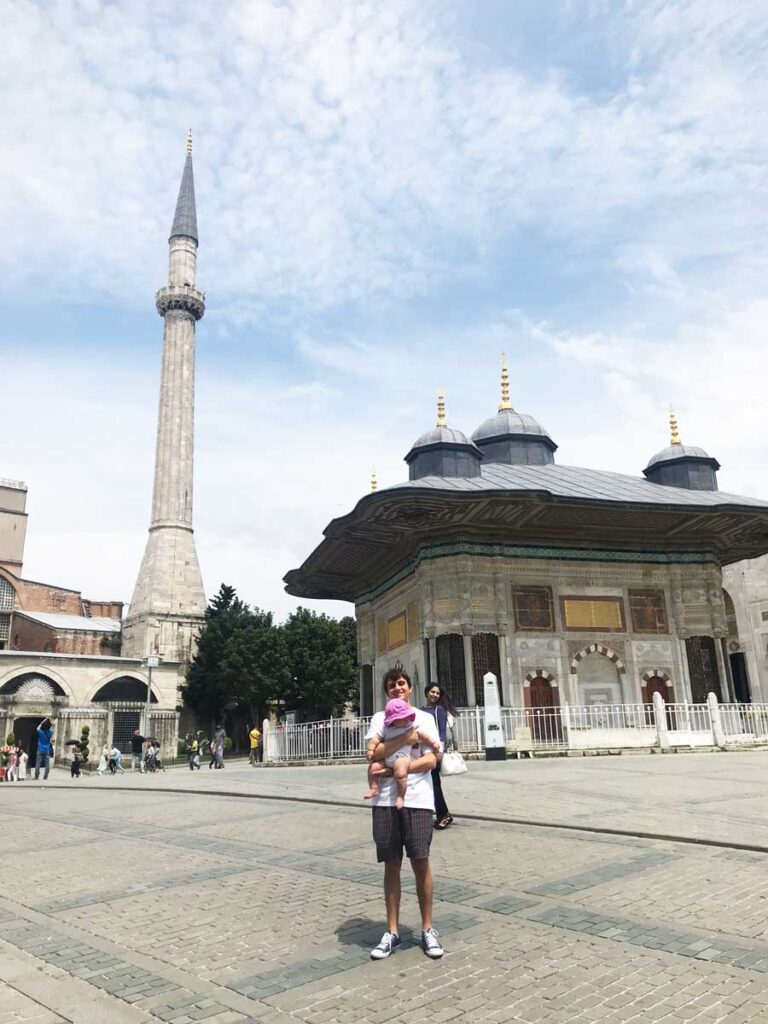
151,662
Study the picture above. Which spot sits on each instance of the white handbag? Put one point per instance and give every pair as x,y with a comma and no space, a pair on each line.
452,763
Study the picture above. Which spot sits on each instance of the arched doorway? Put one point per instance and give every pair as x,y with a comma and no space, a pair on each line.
654,682
544,705
126,697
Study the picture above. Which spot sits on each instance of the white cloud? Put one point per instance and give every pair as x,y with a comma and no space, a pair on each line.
347,149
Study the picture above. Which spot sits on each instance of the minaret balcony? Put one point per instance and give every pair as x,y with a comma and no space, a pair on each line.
180,297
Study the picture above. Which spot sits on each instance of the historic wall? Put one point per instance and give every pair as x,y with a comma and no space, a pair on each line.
747,585
596,631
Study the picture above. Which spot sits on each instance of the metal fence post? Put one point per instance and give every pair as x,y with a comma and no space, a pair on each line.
330,737
565,716
714,717
478,728
660,719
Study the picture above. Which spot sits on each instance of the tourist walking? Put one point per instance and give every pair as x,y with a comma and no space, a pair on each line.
103,760
219,738
74,768
255,739
116,759
444,713
410,827
23,758
194,754
12,774
137,752
44,748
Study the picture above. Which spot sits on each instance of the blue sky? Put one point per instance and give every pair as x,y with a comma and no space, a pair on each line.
389,195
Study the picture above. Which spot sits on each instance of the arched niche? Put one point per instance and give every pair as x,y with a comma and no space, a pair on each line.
124,688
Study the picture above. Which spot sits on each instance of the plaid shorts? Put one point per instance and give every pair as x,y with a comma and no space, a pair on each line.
410,828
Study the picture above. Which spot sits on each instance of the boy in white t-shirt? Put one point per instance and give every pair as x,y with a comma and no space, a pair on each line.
399,717
409,829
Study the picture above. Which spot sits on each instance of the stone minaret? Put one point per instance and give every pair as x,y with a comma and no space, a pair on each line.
168,601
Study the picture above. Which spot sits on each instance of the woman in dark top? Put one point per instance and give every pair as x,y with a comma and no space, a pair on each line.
439,706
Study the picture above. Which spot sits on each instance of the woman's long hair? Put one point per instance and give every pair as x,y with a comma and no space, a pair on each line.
445,701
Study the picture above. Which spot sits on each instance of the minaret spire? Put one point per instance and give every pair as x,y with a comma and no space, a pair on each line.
168,601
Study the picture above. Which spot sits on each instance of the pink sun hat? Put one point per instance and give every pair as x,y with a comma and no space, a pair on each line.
396,710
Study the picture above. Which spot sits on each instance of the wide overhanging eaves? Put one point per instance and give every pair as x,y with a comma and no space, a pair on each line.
386,530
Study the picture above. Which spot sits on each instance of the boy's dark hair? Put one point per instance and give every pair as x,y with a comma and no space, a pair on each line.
393,674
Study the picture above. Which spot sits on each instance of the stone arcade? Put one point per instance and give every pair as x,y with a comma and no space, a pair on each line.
569,584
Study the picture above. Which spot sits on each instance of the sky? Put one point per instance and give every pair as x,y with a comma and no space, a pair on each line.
388,197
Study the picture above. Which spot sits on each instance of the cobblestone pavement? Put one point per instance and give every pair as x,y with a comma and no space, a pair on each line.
132,900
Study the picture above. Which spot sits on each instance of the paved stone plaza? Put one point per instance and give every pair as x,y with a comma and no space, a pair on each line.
131,900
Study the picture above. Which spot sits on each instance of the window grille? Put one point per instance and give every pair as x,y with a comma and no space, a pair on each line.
5,627
485,658
7,596
125,724
451,674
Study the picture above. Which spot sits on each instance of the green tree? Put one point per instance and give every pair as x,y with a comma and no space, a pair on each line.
320,654
253,670
205,689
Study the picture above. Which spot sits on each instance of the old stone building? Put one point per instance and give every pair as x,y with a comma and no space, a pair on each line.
570,584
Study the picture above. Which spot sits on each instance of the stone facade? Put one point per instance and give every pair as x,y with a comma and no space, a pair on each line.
746,585
74,691
13,523
596,631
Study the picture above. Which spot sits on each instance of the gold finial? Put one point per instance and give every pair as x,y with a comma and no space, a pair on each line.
374,480
673,427
189,142
441,408
505,402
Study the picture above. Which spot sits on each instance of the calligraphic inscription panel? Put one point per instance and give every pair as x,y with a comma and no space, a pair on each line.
534,609
589,613
649,611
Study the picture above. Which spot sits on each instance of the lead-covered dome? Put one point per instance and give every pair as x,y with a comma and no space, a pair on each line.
443,451
682,465
512,437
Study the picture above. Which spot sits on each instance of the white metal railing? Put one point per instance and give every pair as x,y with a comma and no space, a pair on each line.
564,727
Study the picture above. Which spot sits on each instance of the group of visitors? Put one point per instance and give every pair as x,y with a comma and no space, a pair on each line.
199,745
18,759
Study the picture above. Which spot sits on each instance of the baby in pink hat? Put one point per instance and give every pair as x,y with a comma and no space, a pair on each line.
398,720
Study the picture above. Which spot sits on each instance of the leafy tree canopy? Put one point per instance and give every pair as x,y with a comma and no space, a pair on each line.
308,664
322,663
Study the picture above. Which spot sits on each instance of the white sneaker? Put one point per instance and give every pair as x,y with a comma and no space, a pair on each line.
387,946
430,945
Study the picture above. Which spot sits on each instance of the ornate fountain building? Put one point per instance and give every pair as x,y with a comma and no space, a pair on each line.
570,584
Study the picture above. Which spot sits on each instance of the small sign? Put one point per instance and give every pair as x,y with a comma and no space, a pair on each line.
152,662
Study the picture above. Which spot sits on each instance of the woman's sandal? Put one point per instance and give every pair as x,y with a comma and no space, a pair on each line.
444,822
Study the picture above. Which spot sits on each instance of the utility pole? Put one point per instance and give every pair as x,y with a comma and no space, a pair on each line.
151,662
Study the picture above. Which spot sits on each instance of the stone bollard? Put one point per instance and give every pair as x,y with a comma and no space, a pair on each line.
718,736
660,719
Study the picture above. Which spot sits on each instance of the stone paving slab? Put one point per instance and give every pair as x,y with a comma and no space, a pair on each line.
230,910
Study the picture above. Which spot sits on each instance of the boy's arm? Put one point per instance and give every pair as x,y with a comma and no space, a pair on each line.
426,763
384,749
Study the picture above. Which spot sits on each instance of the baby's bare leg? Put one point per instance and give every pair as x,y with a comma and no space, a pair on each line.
373,782
400,771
